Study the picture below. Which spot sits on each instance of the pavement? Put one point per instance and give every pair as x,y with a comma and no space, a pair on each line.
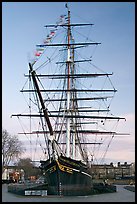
130,188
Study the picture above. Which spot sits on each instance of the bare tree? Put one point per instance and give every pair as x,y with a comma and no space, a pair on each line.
11,148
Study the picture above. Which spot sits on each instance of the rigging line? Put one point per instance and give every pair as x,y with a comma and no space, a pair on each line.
111,99
23,129
111,102
103,127
93,52
33,101
85,20
78,82
79,147
35,149
46,93
25,84
92,63
115,125
95,153
79,68
42,65
82,57
89,31
53,97
59,109
30,114
45,136
103,85
97,68
39,142
94,148
40,56
107,106
109,142
110,81
82,152
58,34
42,123
43,52
97,94
86,38
55,93
48,61
42,85
25,99
96,134
94,47
61,150
107,148
36,102
95,139
63,119
105,103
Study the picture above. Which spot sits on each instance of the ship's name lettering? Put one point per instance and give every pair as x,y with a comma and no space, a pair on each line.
52,169
65,168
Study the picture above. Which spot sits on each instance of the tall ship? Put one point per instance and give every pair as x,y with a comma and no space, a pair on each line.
68,100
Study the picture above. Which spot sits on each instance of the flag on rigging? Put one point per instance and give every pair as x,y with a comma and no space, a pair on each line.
39,51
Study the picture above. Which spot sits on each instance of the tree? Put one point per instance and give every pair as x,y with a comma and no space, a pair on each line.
12,148
29,168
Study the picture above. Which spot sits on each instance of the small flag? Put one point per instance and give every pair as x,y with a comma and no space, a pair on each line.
37,54
52,33
40,49
46,41
62,16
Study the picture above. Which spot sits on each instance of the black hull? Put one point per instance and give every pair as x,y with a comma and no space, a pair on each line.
67,177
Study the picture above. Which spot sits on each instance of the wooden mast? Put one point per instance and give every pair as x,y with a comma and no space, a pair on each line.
41,100
50,146
68,89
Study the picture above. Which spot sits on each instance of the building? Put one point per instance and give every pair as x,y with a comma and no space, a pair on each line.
12,174
109,171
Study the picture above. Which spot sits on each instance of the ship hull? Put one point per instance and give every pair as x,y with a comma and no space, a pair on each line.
66,177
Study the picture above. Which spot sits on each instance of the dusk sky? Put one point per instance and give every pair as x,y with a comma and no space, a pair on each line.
114,26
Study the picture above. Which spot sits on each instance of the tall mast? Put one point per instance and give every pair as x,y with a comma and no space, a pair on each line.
68,88
41,100
73,106
43,108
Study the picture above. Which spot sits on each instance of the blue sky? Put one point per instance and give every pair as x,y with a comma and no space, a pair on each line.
114,26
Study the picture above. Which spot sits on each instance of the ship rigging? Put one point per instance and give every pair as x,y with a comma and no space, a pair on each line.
68,108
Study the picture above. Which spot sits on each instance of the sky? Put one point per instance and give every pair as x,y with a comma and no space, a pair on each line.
114,26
